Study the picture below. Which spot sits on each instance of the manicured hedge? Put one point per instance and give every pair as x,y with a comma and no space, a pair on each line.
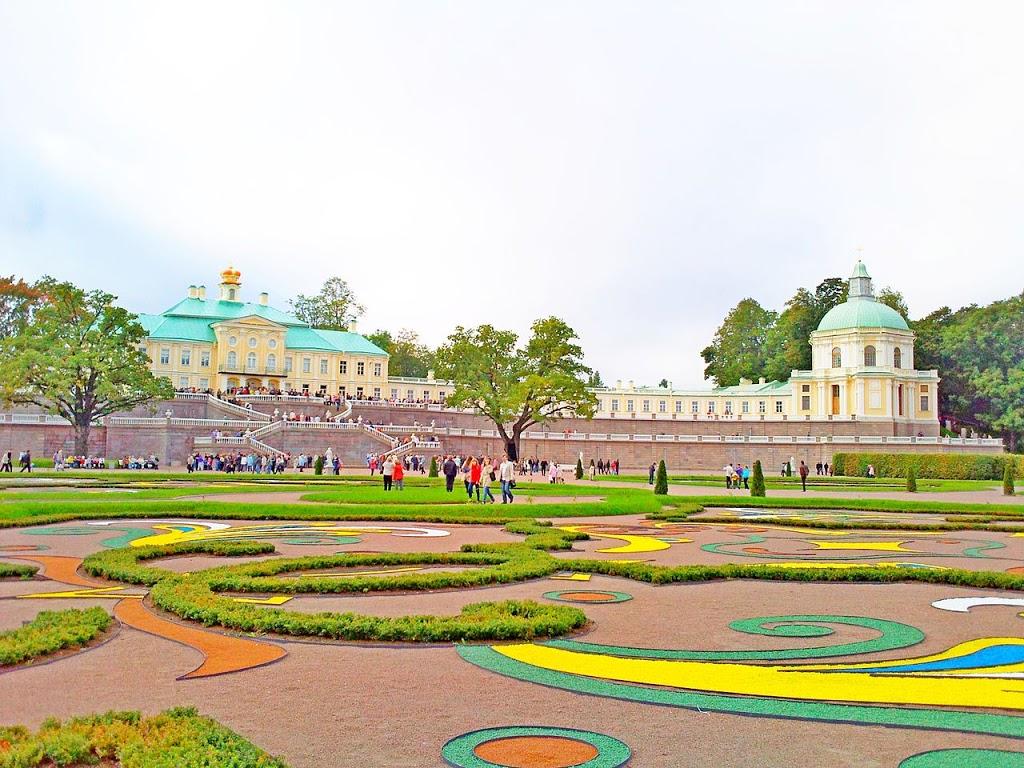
948,466
50,632
177,738
9,570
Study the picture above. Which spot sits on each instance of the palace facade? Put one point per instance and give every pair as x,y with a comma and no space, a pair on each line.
862,366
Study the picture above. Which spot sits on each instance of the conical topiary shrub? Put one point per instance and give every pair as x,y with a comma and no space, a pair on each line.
661,479
911,480
757,480
432,472
579,469
1008,488
318,465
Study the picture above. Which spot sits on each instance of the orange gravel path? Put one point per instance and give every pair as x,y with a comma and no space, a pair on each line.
223,653
62,569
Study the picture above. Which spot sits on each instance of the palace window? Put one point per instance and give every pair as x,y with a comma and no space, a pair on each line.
376,369
250,361
307,365
924,397
869,356
897,358
204,360
761,406
288,365
426,395
359,393
343,367
441,395
805,402
728,407
647,406
204,383
778,406
186,357
183,382
694,407
360,369
661,406
837,358
232,340
629,406
409,395
165,356
711,406
394,393
615,405
746,406
679,406
252,342
232,360
323,366
271,362
376,392
272,343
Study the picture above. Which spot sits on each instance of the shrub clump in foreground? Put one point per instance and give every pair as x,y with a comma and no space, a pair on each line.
50,632
11,570
661,480
1008,489
177,738
757,481
946,466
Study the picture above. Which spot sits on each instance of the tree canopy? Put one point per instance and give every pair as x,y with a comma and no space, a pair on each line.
739,348
334,307
78,356
18,300
408,355
517,386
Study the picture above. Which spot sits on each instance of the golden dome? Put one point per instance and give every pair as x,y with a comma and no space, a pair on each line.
231,276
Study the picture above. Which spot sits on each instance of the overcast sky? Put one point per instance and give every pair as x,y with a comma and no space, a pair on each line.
634,167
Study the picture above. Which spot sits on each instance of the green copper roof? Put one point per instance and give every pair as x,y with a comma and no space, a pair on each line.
860,270
215,309
177,328
862,312
330,341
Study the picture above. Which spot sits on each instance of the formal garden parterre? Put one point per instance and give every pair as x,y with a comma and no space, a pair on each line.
595,625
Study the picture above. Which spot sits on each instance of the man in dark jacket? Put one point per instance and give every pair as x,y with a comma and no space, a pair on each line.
450,470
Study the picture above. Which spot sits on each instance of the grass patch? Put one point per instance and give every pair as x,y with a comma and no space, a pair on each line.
50,632
177,738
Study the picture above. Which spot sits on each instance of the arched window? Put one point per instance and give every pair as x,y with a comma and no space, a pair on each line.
250,361
869,356
837,358
232,360
897,358
272,362
231,294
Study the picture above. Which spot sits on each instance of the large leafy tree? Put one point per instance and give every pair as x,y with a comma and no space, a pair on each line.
518,386
334,307
788,344
407,355
78,356
739,348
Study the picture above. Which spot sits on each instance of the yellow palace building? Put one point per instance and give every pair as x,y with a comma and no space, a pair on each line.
862,366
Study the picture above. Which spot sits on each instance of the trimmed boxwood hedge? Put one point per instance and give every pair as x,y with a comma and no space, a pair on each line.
177,738
50,632
947,466
15,570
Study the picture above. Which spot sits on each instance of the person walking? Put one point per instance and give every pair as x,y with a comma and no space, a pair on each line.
475,472
746,476
26,462
399,476
487,476
450,469
387,469
650,474
727,470
592,470
804,471
506,475
6,466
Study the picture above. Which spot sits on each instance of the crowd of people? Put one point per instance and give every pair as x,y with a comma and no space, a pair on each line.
478,475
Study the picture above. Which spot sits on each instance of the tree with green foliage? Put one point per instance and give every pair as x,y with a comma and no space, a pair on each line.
663,383
911,479
788,342
739,348
407,356
579,468
894,300
661,479
334,307
78,356
757,487
1008,488
432,472
514,386
594,379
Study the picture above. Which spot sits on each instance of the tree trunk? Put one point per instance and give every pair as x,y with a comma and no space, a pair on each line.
82,437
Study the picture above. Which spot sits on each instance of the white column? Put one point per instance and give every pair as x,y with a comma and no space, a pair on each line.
859,407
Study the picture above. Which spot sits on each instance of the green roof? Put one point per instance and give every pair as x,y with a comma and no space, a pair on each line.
862,312
751,389
330,341
215,309
177,328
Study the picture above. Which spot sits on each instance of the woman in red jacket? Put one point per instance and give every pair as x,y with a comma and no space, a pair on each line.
474,479
398,474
